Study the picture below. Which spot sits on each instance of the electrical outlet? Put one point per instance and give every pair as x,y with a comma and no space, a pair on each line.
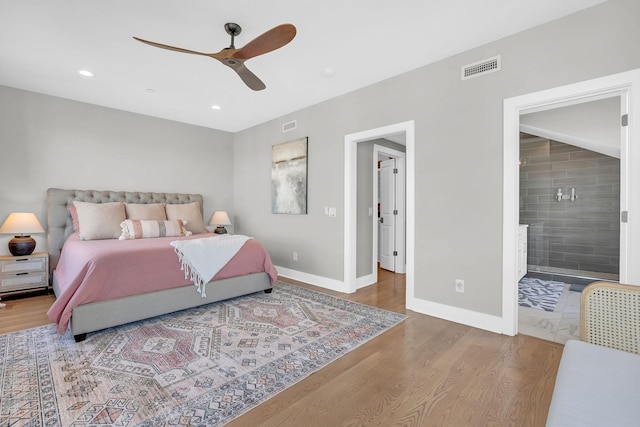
460,285
295,256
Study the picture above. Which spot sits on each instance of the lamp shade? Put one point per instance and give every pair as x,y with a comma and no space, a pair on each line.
21,225
220,218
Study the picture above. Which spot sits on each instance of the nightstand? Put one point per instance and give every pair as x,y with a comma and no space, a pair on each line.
21,273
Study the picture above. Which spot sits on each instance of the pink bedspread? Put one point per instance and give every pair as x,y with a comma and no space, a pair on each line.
99,270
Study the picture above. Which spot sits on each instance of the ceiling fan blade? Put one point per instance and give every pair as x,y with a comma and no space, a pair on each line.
249,78
234,58
266,42
177,49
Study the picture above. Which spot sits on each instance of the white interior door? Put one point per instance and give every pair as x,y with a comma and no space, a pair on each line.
387,218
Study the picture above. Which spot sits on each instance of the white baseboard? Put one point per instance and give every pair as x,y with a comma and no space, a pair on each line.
455,314
442,311
363,281
312,279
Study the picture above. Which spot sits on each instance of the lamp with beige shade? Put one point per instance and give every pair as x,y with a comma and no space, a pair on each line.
220,219
21,225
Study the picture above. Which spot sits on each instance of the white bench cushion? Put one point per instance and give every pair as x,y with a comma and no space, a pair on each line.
596,386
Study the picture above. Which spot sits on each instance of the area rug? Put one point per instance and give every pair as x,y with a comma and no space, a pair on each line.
199,367
538,293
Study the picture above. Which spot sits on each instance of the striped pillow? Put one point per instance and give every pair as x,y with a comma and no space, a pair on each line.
142,229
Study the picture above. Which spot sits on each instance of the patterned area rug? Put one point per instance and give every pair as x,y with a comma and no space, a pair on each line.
538,293
203,366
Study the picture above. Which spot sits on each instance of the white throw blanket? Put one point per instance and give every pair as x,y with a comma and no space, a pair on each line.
203,258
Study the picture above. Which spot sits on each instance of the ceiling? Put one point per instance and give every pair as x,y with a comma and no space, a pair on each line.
43,44
593,125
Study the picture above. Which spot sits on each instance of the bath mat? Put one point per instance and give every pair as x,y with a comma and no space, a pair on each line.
538,293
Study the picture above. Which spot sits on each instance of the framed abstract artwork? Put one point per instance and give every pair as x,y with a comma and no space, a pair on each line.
289,177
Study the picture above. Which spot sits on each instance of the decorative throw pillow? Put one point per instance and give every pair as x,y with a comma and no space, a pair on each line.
74,218
98,221
153,211
189,212
143,229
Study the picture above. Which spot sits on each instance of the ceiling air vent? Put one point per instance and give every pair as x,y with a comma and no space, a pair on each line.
289,126
485,66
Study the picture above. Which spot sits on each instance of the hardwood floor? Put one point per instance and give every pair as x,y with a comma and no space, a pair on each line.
423,372
24,312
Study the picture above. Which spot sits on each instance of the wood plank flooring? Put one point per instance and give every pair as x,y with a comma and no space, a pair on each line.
423,372
24,313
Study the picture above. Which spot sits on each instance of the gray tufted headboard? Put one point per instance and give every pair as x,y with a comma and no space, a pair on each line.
60,225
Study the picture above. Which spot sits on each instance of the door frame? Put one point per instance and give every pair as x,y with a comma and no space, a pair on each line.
350,192
627,86
400,231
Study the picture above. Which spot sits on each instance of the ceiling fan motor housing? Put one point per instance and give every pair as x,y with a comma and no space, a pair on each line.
232,28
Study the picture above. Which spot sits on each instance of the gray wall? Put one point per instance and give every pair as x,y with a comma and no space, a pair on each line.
458,153
364,228
52,142
583,234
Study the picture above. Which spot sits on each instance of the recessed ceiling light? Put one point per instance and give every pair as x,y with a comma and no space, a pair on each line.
216,107
328,73
85,73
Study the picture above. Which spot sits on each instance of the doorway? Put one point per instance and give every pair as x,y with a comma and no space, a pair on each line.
406,129
569,169
569,209
627,87
369,219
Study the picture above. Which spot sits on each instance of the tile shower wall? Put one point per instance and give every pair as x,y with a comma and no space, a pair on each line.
580,235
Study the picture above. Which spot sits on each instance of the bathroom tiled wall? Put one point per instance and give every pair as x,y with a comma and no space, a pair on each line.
578,235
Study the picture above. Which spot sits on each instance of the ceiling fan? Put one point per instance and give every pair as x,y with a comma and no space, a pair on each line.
234,58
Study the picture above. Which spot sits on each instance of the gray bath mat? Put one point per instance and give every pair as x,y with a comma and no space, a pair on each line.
539,294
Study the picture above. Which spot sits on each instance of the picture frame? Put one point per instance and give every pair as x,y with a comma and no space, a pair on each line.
289,177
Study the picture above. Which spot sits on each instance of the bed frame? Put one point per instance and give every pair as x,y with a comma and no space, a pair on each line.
105,314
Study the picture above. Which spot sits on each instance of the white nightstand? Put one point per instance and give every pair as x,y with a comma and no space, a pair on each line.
20,273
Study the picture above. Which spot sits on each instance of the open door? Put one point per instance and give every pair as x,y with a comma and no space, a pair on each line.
387,219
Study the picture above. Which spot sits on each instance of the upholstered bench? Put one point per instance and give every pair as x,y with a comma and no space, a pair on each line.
598,381
596,386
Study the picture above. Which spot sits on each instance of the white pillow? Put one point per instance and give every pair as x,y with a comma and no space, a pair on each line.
190,212
99,221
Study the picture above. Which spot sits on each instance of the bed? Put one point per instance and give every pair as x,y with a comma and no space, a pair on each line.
85,314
